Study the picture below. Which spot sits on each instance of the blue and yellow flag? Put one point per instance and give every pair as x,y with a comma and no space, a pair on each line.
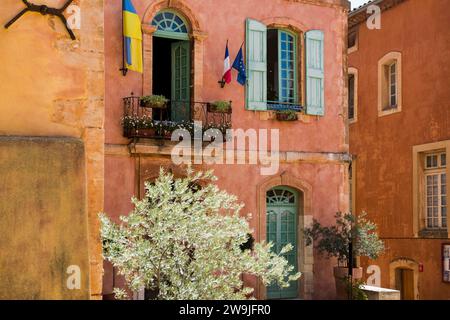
132,33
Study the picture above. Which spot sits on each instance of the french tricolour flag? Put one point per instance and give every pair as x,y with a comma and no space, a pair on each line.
227,66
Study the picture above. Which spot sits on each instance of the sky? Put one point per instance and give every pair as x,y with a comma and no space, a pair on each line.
357,3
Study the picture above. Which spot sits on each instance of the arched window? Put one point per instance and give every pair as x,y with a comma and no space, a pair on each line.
280,196
170,25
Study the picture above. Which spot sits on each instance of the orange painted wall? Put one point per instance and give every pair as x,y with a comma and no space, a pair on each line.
420,30
324,135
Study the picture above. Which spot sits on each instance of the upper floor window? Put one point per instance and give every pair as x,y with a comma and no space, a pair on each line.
272,69
352,40
352,94
281,67
389,84
436,190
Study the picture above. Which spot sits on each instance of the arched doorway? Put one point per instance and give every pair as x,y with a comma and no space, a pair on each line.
172,64
282,225
404,277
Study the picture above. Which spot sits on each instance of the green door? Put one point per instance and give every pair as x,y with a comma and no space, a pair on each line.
180,100
282,208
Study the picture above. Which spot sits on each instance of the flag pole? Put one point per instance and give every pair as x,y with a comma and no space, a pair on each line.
124,68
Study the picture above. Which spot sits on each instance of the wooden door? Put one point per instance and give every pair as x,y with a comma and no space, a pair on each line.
407,279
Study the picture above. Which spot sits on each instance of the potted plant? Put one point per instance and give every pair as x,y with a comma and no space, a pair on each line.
154,101
219,107
334,241
287,115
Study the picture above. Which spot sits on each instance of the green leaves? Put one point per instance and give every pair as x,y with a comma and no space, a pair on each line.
183,241
334,240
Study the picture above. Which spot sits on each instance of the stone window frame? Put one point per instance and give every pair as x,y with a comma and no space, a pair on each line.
299,29
384,63
354,71
419,215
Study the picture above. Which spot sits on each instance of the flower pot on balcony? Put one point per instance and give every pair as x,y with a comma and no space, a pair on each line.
154,102
287,116
219,107
153,105
340,278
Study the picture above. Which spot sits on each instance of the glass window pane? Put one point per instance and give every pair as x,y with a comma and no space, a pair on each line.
393,101
434,161
178,20
435,212
443,160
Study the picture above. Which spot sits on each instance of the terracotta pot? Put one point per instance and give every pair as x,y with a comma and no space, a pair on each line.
153,105
145,133
213,109
340,274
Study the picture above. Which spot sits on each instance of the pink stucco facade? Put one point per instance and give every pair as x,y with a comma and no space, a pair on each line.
313,150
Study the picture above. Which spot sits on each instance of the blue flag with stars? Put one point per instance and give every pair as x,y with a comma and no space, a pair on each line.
239,65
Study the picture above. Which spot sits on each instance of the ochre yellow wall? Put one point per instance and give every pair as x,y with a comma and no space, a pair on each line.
51,86
43,229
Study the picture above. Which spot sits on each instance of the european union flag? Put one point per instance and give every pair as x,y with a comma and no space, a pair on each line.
239,65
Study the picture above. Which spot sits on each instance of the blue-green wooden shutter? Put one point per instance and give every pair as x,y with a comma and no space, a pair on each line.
256,65
315,98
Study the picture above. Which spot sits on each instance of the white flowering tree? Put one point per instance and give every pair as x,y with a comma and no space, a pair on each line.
185,240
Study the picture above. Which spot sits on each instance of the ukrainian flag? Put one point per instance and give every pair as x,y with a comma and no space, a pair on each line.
132,33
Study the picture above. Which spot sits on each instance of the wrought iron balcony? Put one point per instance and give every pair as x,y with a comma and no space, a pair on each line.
140,121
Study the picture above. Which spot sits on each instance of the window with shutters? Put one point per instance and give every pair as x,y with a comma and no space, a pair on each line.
389,84
273,69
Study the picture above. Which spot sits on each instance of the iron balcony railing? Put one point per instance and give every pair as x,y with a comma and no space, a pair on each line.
140,121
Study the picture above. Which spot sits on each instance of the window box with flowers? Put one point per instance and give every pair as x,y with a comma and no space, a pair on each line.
219,107
286,112
287,115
